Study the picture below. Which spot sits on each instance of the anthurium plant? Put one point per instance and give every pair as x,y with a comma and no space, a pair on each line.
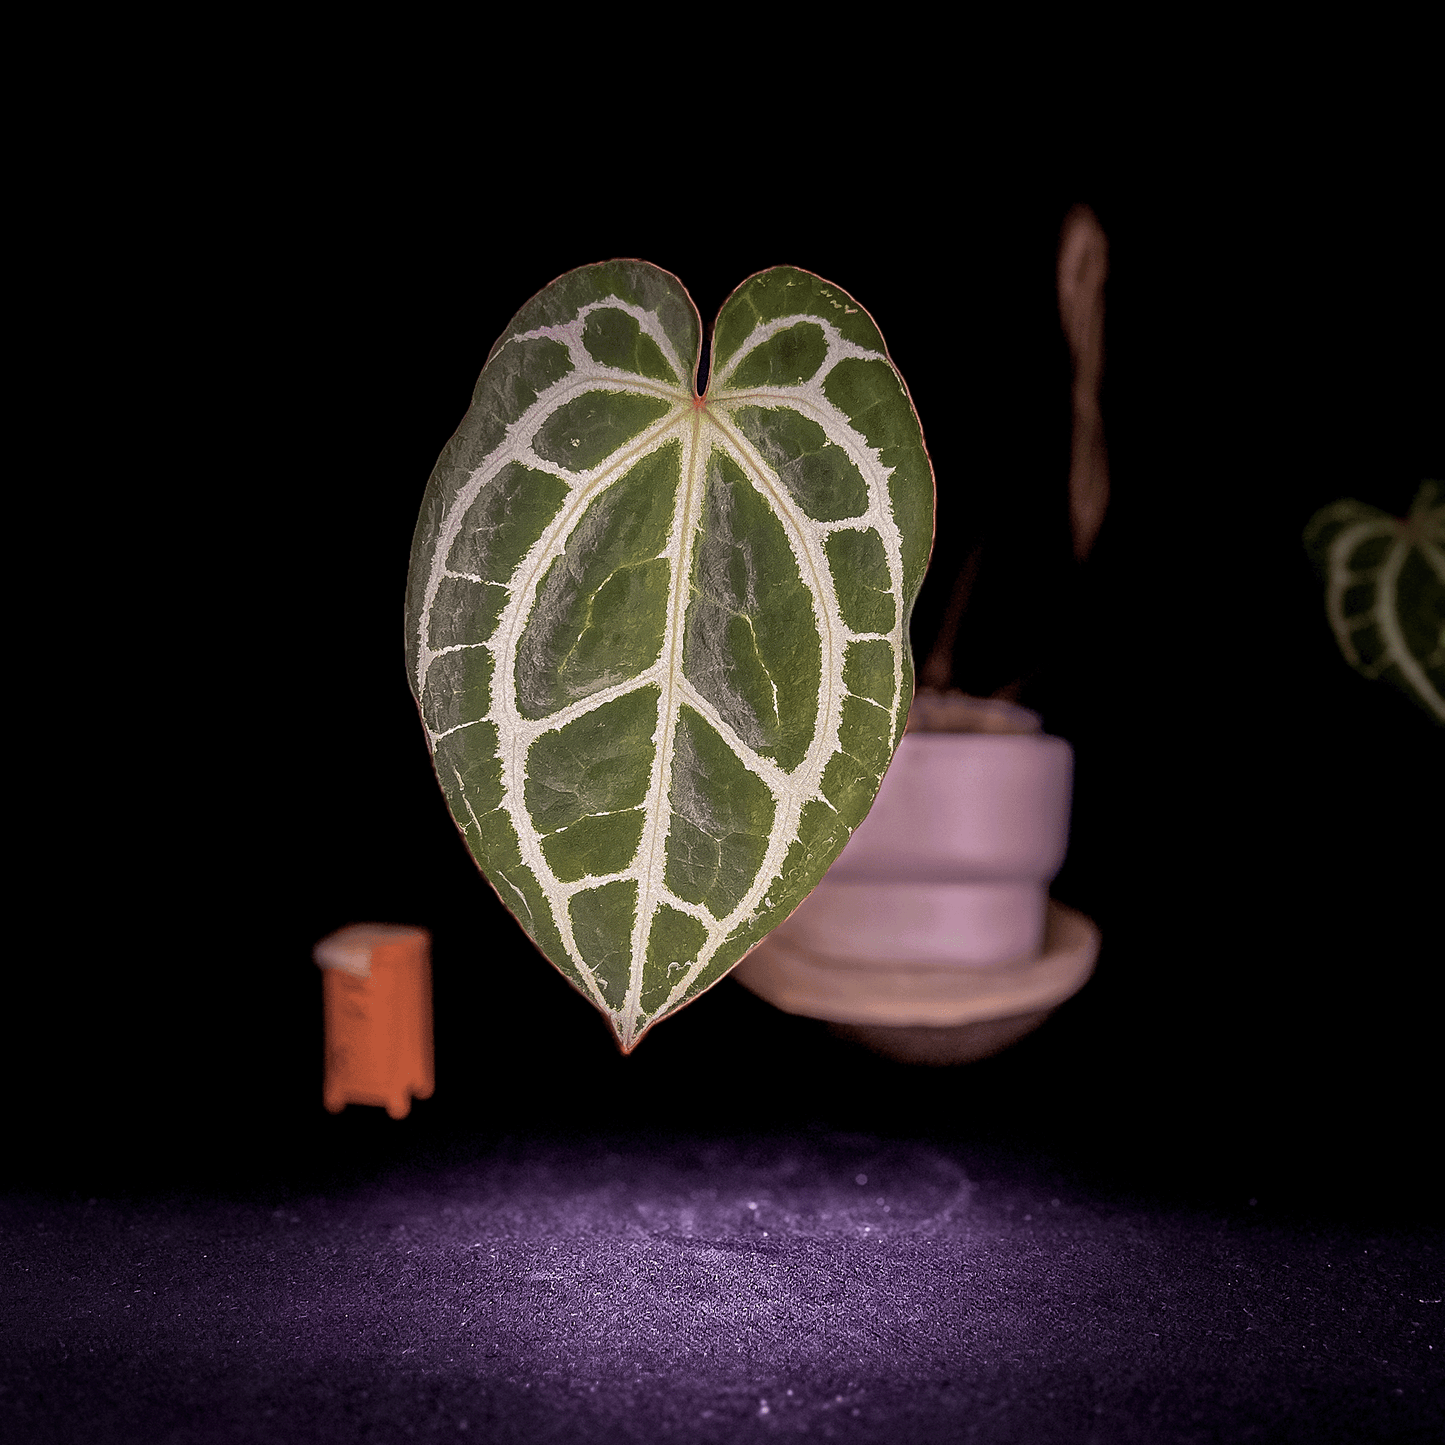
1384,582
659,640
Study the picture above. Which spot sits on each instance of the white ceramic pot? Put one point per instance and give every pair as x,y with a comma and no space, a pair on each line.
935,919
953,863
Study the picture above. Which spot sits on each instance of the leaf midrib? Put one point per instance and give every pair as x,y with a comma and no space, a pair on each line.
658,817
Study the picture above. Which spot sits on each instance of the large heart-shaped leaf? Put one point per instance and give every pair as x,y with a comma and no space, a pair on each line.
660,642
1385,591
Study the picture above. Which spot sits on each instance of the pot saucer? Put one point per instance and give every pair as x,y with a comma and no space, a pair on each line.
936,1013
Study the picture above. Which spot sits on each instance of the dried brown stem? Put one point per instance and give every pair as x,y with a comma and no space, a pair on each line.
1083,268
937,672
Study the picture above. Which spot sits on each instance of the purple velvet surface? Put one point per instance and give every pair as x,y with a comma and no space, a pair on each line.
823,1286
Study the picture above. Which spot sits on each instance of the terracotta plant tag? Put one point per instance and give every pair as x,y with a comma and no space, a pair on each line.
378,1016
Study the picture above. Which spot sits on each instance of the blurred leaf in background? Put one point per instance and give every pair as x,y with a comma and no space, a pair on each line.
1385,591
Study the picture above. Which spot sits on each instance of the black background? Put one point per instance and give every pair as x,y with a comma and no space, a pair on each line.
1256,829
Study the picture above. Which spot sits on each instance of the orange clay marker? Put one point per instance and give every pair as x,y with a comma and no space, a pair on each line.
378,1016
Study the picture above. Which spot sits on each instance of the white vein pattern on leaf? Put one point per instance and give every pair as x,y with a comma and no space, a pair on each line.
1382,613
810,399
586,375
1387,619
1342,576
651,857
806,779
790,792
